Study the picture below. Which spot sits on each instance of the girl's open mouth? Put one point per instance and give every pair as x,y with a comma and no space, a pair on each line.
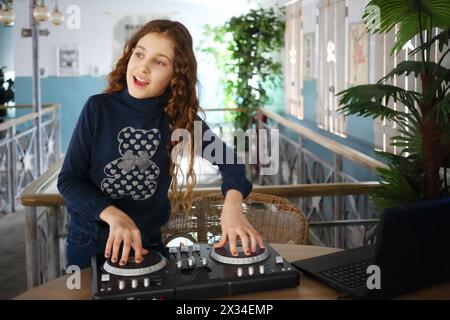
140,82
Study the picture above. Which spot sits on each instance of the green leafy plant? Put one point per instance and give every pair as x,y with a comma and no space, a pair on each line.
420,170
6,92
243,49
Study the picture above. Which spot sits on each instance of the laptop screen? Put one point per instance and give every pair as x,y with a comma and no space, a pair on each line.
413,247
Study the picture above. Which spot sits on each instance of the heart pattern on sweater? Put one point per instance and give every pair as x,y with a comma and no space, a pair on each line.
134,173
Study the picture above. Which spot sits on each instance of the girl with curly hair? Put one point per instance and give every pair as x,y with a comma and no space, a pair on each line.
119,165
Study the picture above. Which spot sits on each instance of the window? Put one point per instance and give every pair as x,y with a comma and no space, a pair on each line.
333,48
293,67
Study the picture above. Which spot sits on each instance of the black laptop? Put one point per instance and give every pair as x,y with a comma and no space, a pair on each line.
412,251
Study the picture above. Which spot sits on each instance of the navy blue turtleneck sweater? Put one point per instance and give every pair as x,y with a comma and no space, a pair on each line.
118,156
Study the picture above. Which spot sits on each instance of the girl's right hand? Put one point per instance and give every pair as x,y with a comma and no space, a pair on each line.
122,229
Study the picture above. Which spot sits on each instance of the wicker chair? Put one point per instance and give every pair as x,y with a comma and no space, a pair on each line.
276,219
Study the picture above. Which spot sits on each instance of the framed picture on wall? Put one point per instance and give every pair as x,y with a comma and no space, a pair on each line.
359,54
308,56
68,60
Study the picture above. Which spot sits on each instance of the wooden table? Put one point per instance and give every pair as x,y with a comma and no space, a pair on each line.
308,288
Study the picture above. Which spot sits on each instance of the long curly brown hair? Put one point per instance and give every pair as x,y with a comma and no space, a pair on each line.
182,105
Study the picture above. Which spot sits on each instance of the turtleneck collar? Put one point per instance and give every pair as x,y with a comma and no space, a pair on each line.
148,105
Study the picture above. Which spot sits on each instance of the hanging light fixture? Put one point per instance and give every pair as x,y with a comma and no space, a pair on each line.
56,17
41,12
6,14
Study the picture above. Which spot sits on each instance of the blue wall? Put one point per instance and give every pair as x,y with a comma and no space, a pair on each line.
276,98
309,101
70,92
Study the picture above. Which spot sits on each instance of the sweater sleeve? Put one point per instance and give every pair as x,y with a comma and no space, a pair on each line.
74,184
230,164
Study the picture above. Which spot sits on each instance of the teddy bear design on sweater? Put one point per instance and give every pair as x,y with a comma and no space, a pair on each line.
133,174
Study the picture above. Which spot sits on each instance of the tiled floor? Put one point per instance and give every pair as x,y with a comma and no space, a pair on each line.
13,279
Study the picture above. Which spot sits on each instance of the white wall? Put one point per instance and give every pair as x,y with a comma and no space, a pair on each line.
96,33
355,10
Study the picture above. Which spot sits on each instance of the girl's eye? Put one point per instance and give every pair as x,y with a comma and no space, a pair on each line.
138,54
160,63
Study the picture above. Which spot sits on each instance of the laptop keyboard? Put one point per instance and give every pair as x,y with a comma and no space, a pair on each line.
351,276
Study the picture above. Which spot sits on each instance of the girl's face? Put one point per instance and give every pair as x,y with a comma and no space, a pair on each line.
150,68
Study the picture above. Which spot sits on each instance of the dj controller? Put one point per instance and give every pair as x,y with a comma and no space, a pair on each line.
196,271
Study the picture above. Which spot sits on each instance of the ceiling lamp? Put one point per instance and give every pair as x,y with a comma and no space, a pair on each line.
6,14
41,12
56,17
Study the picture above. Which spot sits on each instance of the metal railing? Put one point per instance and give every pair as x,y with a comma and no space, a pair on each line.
300,163
18,152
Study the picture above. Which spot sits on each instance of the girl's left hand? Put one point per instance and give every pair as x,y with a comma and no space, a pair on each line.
235,224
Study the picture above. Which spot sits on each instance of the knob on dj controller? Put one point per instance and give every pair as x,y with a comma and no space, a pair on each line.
261,269
251,270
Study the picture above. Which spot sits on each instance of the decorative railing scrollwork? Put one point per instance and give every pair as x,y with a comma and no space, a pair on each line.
18,152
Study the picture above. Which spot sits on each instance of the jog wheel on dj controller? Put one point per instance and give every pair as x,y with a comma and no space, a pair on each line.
150,263
224,255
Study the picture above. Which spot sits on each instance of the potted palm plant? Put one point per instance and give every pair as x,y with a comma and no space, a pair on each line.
420,170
